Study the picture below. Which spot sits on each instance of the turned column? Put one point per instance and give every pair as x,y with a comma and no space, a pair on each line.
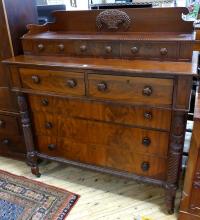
28,136
175,157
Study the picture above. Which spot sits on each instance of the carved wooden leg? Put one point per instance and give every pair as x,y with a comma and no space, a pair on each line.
26,124
175,157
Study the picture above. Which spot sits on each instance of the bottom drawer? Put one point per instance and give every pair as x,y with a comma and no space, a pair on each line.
11,144
106,156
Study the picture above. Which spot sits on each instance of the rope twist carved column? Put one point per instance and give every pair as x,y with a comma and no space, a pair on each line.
175,157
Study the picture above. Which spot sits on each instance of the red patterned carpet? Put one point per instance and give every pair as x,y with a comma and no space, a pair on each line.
22,198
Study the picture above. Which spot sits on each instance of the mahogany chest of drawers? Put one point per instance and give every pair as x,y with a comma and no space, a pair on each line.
112,95
12,27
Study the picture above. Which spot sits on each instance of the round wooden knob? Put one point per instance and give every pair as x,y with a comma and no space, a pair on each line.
146,141
2,124
71,83
148,115
40,47
5,141
145,166
83,48
134,49
102,86
45,102
36,79
48,125
147,91
51,146
108,49
163,51
61,47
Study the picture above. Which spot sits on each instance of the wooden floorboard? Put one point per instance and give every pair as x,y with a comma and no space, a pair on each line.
103,197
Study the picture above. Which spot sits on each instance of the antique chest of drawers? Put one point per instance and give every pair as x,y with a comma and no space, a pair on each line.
12,27
109,91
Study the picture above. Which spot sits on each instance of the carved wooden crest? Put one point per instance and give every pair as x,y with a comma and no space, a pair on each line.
113,20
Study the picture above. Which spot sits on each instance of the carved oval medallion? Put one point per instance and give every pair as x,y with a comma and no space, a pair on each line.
113,20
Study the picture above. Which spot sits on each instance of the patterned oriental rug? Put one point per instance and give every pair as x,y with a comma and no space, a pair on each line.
25,199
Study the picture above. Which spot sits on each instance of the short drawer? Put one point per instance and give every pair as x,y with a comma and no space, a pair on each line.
12,143
103,134
69,83
9,125
118,159
151,50
142,90
123,114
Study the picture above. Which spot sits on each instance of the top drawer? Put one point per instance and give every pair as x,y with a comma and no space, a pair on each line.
131,89
69,83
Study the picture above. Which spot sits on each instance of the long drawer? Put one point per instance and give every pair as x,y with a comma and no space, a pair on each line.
65,82
131,89
102,134
116,158
123,114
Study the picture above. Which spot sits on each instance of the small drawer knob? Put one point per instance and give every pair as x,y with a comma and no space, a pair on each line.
61,47
51,146
134,50
147,91
71,83
48,125
2,124
45,102
146,141
163,51
83,48
5,141
40,47
145,166
36,79
148,115
102,87
108,49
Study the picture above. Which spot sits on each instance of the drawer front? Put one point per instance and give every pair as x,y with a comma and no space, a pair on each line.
103,156
103,134
80,48
8,100
131,89
69,83
12,143
151,50
9,125
123,114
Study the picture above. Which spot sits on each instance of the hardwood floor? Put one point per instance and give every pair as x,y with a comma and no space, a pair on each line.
103,197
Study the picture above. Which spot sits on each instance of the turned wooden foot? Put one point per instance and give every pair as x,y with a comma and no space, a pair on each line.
35,171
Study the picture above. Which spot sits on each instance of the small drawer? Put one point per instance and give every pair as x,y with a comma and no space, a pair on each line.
152,91
69,83
9,125
150,50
